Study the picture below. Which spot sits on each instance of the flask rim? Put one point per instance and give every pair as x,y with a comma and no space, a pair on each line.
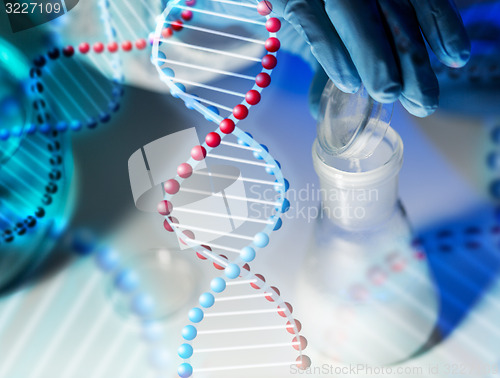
325,167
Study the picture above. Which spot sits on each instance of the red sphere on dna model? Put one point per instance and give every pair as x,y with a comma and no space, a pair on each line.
289,326
187,15
260,277
165,208
98,47
303,362
253,97
264,8
212,139
189,234
200,255
127,46
141,44
227,126
171,186
112,47
167,32
220,267
269,296
177,25
240,112
273,25
299,343
184,170
198,153
167,226
84,47
68,51
263,80
282,311
273,44
269,62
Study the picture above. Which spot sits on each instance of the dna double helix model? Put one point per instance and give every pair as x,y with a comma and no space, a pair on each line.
62,94
255,309
34,176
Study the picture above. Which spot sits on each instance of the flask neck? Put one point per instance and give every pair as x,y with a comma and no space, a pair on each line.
358,194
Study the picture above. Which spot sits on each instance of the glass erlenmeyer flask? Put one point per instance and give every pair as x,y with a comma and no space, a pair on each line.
367,289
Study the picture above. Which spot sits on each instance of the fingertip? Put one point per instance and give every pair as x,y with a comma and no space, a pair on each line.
460,60
348,87
387,94
419,110
348,81
422,112
456,51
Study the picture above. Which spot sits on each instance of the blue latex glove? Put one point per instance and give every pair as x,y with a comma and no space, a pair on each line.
380,43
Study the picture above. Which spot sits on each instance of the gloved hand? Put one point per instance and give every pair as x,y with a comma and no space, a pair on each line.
380,43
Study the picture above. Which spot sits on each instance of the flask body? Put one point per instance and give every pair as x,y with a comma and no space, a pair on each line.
366,285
